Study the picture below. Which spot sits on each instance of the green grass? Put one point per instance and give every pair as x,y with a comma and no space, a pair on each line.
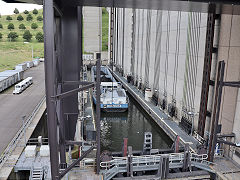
13,53
105,29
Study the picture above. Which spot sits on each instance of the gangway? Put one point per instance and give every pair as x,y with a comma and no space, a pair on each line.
151,163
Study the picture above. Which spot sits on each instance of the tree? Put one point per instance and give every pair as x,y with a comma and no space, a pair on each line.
11,26
27,35
0,35
39,37
20,18
29,17
21,26
34,26
1,26
26,12
9,18
35,11
16,11
39,18
12,36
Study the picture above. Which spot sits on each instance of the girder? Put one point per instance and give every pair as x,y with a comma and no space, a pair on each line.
222,6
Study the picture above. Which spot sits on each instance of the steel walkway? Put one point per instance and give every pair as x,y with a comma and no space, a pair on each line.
169,126
151,162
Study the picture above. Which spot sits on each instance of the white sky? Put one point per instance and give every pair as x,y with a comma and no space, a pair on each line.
8,8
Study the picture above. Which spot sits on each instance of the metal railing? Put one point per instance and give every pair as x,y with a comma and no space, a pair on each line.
150,162
12,145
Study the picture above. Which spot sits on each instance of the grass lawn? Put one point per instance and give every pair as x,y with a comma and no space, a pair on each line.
13,53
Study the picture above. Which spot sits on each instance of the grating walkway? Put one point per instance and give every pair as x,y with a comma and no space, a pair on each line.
170,127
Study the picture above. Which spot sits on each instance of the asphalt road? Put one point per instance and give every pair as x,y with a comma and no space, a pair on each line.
14,107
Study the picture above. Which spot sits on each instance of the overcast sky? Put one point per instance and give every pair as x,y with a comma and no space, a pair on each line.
8,8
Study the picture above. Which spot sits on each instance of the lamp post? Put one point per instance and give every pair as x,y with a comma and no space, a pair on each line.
31,46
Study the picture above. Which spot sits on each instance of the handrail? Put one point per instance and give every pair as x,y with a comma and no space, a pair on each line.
12,145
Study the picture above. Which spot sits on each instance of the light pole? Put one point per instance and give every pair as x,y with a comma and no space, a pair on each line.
31,46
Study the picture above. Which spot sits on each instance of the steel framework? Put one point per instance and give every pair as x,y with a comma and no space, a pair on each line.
63,63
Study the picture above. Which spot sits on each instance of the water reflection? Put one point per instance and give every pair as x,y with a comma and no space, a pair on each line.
131,125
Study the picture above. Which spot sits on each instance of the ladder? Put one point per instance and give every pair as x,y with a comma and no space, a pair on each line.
36,173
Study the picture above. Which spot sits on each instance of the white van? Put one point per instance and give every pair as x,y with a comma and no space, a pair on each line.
20,87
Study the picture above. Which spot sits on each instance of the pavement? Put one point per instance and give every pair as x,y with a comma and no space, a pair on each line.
14,107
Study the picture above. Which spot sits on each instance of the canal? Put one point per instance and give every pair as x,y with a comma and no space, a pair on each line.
132,125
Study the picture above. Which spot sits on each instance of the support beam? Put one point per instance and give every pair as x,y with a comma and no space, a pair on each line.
216,110
71,92
206,69
50,85
98,69
75,162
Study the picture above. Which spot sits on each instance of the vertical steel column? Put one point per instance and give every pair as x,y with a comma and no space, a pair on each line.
50,85
206,69
123,28
98,68
80,34
216,110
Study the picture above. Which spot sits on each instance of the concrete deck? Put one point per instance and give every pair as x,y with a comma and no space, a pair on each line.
169,126
14,107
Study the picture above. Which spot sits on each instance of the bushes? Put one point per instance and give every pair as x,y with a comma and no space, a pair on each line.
20,18
39,37
1,26
29,17
39,18
8,18
35,11
27,35
34,26
12,36
11,26
26,12
16,11
1,36
22,26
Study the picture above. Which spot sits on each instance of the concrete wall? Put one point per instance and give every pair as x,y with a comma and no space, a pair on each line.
229,51
91,30
166,53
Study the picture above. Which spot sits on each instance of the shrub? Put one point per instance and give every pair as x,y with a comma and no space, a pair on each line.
0,35
16,11
20,18
29,17
11,26
34,26
21,26
26,12
35,11
27,35
39,18
9,18
1,26
12,36
39,37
